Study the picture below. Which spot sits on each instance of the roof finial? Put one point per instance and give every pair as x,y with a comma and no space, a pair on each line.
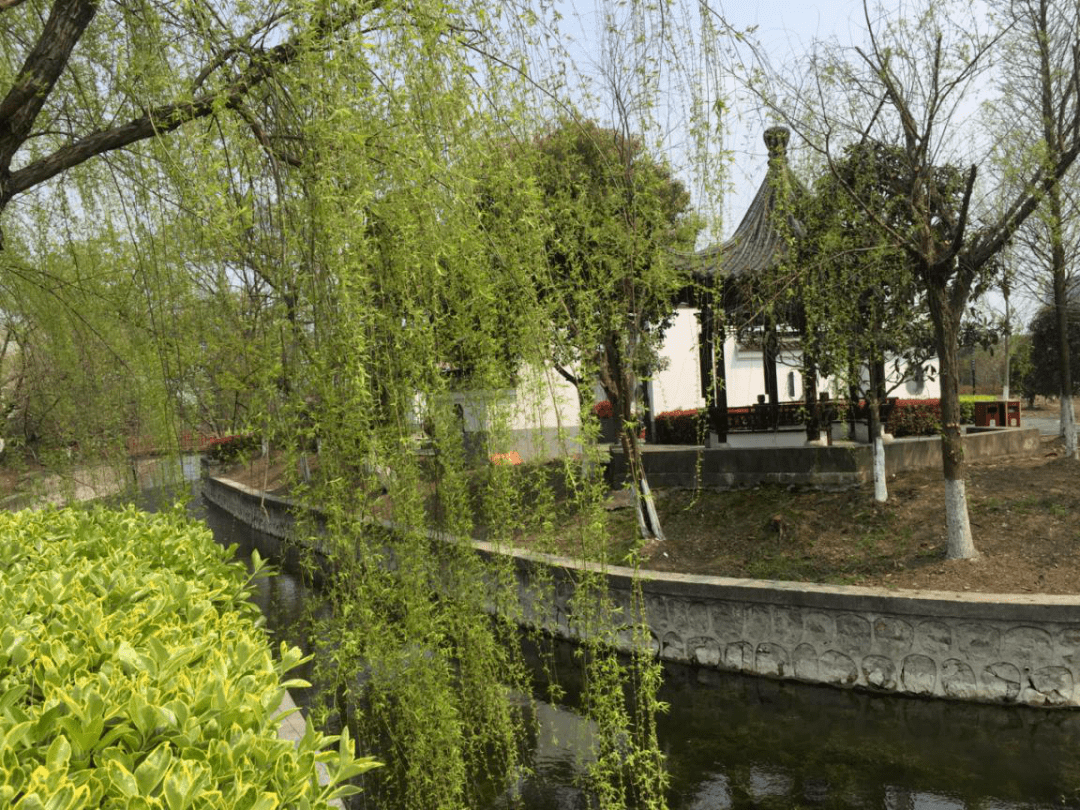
776,138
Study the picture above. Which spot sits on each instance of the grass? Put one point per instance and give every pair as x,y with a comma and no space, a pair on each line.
1056,509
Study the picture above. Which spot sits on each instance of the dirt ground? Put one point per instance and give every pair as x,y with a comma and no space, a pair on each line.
1025,518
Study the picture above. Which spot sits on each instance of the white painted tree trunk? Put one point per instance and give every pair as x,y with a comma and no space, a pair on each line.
646,500
1068,426
961,545
881,488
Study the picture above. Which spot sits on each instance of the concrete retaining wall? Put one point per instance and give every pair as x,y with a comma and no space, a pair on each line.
836,466
977,647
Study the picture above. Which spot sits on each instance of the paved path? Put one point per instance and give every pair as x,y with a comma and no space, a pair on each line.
1047,425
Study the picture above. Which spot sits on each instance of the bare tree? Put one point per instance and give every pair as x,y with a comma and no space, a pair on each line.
1043,54
912,86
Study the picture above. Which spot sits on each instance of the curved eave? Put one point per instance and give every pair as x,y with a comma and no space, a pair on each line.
758,243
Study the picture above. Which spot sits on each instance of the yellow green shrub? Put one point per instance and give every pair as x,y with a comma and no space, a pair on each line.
134,673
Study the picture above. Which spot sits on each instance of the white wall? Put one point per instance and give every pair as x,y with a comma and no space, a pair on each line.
542,411
678,386
540,414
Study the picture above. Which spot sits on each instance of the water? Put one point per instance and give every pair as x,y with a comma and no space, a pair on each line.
742,743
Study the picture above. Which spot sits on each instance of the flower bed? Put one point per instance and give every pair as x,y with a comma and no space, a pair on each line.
232,445
907,417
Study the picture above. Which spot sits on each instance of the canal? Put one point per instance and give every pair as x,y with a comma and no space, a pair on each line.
745,743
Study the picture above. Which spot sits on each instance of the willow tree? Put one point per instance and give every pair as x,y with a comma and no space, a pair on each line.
82,79
311,178
404,260
907,87
88,92
420,306
80,367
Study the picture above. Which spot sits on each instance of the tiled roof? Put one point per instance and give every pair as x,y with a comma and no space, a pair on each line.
759,240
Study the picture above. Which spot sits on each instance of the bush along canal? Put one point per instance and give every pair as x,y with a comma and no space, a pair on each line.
735,741
134,673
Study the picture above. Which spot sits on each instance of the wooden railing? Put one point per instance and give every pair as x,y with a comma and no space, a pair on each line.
764,417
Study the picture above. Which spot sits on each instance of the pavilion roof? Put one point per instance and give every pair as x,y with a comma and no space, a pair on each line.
761,238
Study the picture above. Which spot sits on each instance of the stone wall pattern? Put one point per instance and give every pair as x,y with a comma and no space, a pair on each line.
974,647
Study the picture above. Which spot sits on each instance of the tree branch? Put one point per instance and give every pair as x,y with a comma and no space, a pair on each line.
50,56
158,121
264,140
566,375
67,22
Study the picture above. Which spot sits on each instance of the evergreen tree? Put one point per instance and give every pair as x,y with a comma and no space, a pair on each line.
615,214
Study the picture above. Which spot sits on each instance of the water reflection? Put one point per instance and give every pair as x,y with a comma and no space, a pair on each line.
790,745
281,598
739,743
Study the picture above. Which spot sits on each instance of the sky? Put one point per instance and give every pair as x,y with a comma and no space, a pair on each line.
785,29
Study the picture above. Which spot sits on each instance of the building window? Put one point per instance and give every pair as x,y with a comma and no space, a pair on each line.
791,385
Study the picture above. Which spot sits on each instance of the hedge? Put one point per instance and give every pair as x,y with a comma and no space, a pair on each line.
679,427
922,417
909,417
135,674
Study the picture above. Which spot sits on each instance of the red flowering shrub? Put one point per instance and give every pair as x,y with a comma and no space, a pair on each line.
915,417
679,427
922,417
603,410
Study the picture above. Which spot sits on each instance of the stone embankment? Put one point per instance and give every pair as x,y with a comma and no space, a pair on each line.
975,647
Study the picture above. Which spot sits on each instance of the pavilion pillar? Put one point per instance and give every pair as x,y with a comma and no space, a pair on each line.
769,351
713,374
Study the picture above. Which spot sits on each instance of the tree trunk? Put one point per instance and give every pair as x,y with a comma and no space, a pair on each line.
946,337
1061,310
853,400
815,424
619,385
644,504
877,442
1005,290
